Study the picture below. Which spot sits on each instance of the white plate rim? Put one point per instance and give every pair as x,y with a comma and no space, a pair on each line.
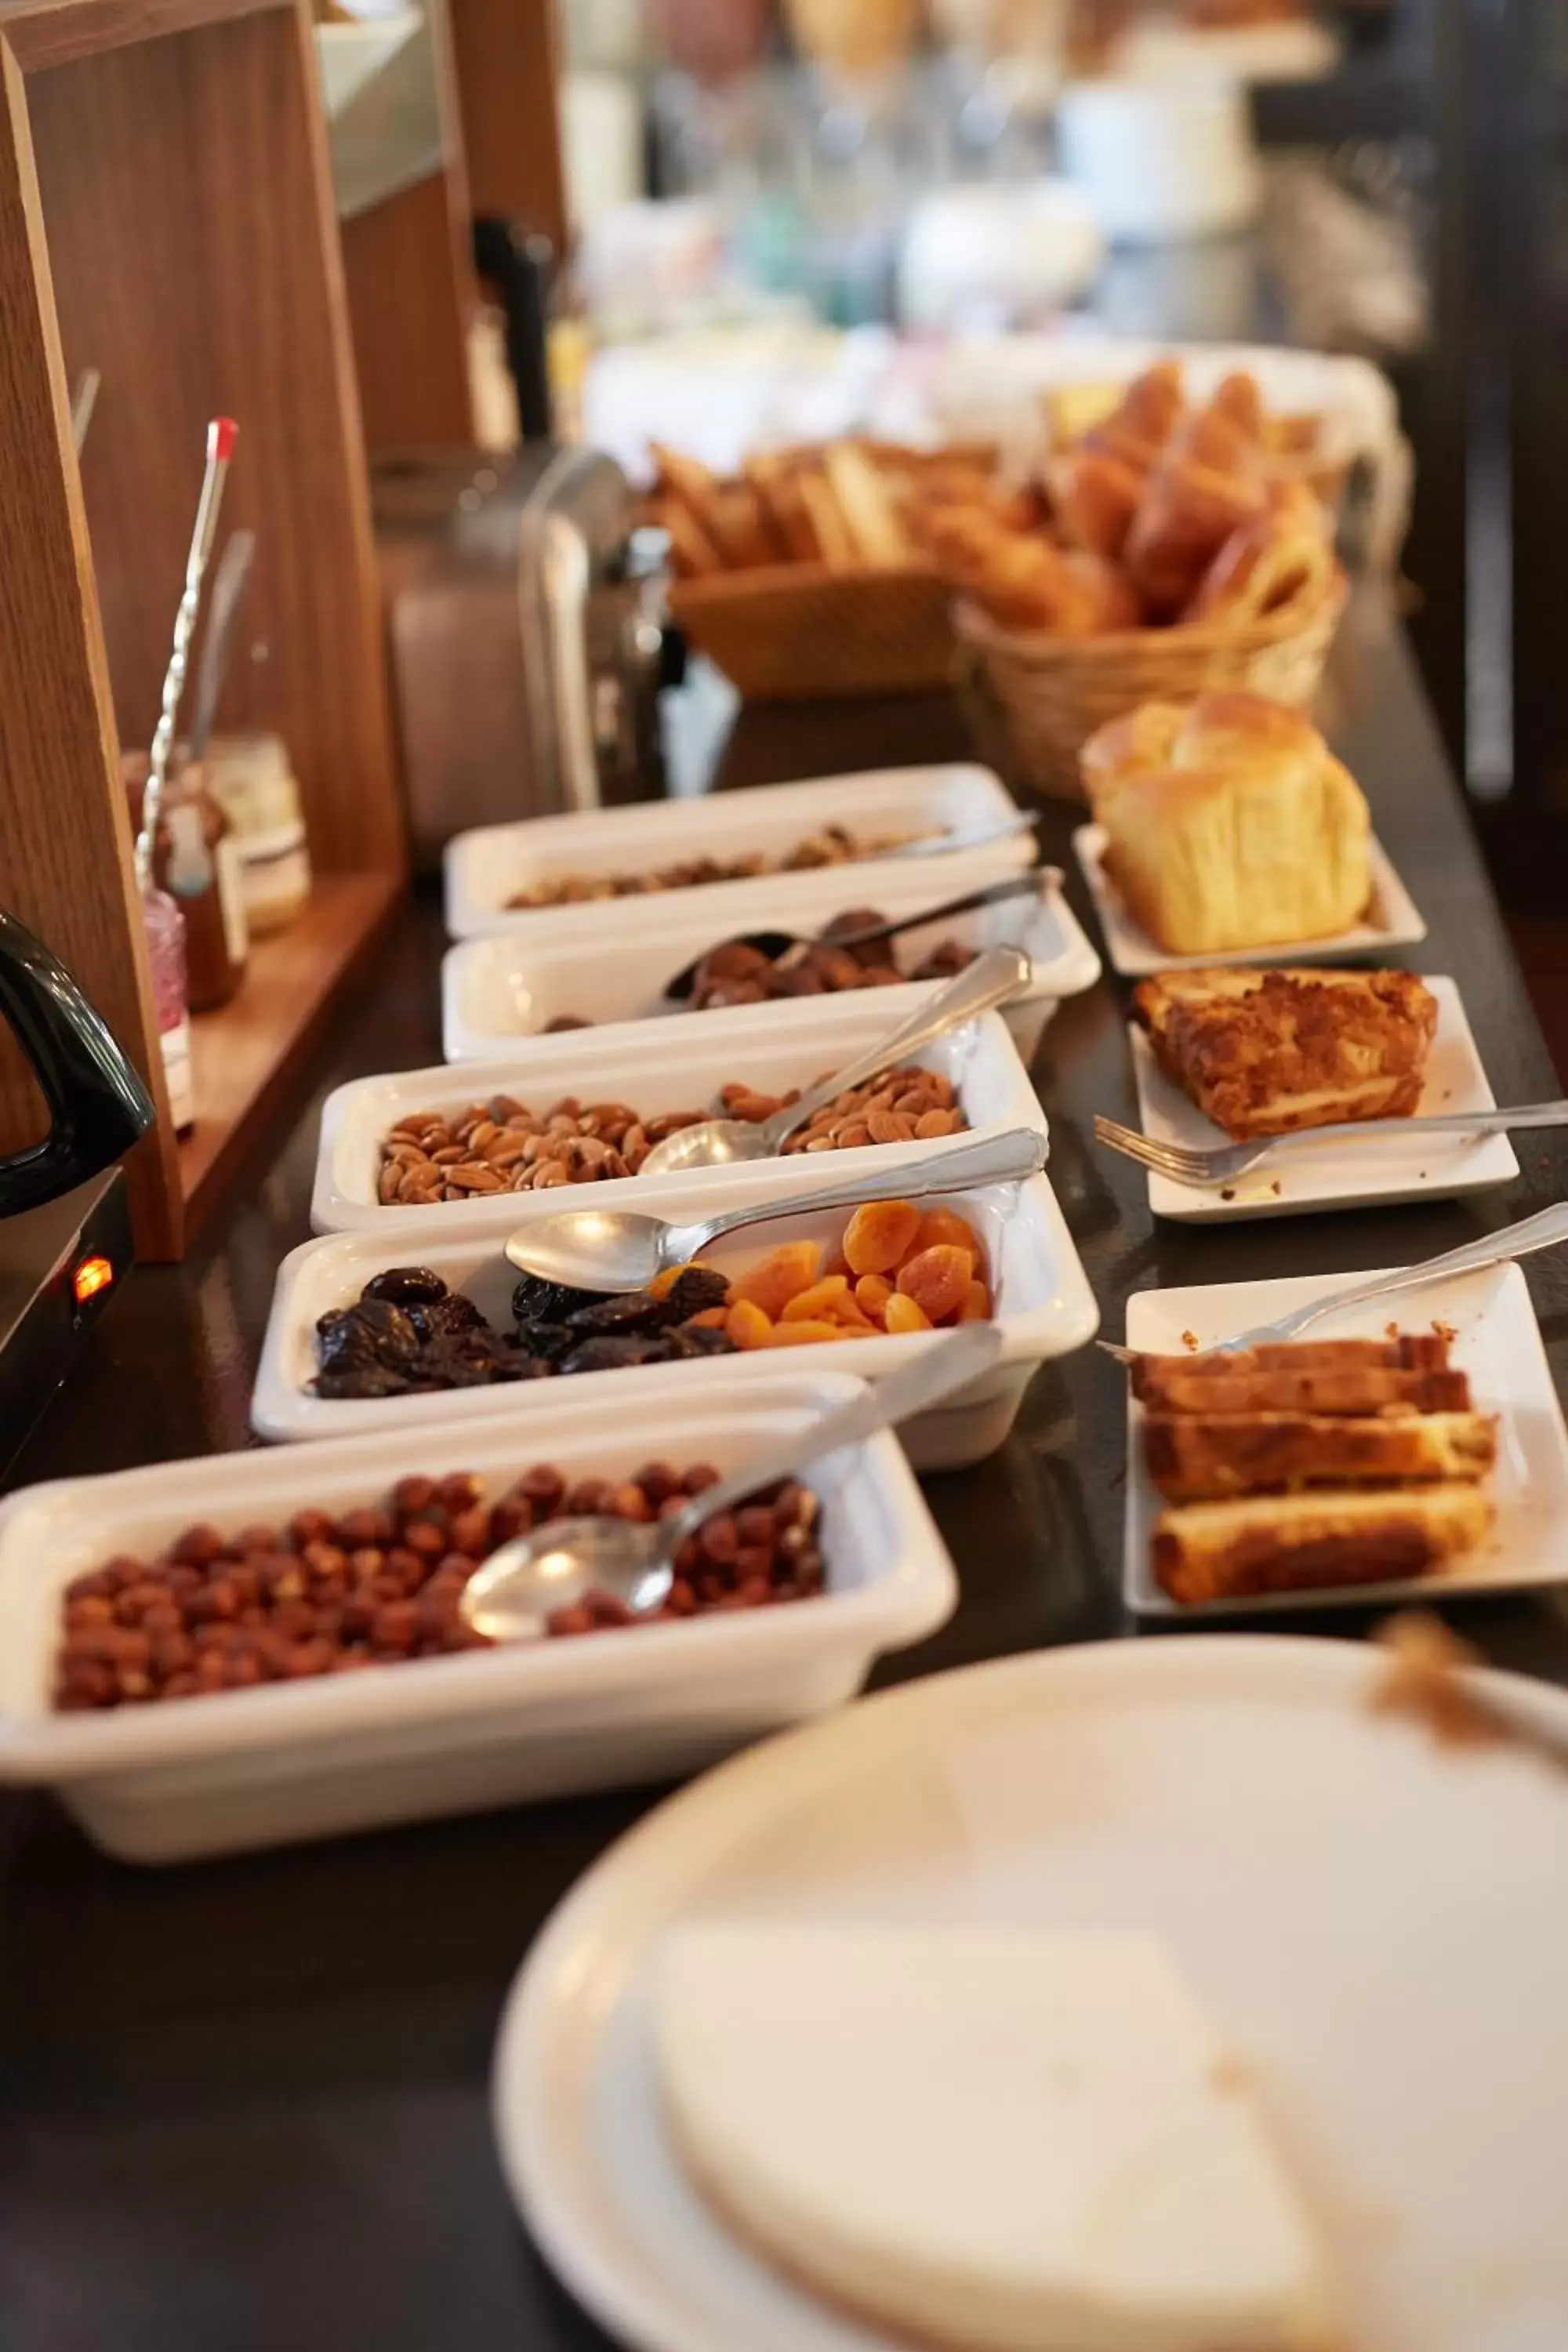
1136,956
1145,1599
1184,1205
697,1821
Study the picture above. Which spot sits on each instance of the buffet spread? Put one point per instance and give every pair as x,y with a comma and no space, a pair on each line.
747,1243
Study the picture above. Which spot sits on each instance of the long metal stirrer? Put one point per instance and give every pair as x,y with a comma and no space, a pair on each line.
221,434
84,399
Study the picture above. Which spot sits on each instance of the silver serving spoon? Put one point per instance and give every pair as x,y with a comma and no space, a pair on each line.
994,978
623,1249
775,944
974,836
520,1587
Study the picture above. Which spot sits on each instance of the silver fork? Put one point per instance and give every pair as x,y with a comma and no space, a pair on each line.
1222,1163
1543,1231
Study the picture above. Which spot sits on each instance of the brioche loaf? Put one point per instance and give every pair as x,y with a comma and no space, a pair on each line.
1248,833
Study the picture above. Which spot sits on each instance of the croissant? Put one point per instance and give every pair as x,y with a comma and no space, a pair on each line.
1094,497
1208,485
1261,569
1141,423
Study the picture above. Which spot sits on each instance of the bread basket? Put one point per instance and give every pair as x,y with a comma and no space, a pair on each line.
1054,691
792,633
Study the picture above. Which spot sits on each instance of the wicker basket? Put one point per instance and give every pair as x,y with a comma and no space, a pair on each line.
1054,692
795,632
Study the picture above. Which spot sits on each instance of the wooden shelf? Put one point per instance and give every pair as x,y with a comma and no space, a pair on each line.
245,1057
166,216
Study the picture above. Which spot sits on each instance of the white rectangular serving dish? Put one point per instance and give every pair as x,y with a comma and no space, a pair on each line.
607,966
662,1066
1392,921
1044,1309
487,867
434,1735
1351,1172
1497,1341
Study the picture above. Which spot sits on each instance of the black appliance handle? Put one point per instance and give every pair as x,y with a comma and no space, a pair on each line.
98,1105
518,263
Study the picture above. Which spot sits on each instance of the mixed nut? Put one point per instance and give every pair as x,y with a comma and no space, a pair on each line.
331,1593
831,845
897,1269
502,1145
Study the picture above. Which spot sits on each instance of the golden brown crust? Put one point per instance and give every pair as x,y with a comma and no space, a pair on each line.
1201,1457
1406,1351
1372,1389
1270,1052
1210,1552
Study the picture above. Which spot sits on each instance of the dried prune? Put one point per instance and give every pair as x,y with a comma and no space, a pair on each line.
609,1351
708,1342
534,1300
344,1340
628,1312
363,1380
397,1340
406,1286
549,1341
695,1287
444,1318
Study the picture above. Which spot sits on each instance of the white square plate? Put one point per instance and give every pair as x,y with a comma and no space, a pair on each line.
1346,1174
1393,922
1497,1341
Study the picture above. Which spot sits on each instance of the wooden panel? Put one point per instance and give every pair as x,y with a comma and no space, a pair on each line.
245,1057
508,60
54,32
411,294
65,842
195,262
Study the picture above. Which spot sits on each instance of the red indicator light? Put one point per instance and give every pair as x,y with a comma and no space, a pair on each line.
93,1274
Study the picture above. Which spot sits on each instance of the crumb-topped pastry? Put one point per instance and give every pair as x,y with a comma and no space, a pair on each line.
1264,1053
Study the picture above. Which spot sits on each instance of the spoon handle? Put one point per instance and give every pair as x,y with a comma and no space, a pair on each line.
974,836
992,978
958,1357
1006,1159
1018,885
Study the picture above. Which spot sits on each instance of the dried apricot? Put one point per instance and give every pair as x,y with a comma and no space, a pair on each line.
802,1334
904,1314
838,1263
663,1284
775,1279
808,1305
878,1234
945,1226
938,1279
843,1308
747,1325
712,1318
976,1307
872,1293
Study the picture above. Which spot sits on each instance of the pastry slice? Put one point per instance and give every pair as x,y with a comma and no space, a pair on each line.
1294,1543
1199,1457
1408,1351
1352,1390
1017,2140
1267,1053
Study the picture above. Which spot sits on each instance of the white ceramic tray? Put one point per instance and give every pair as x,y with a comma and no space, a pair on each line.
1377,1924
1044,1309
612,967
434,1735
1497,1341
490,864
662,1066
1351,1172
1392,921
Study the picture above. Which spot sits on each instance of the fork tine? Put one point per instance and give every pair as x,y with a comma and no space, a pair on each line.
1177,1160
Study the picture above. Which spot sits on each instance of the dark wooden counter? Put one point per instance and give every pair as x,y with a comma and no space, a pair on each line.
245,2104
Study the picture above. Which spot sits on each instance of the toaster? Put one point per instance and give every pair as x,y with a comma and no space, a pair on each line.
525,615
